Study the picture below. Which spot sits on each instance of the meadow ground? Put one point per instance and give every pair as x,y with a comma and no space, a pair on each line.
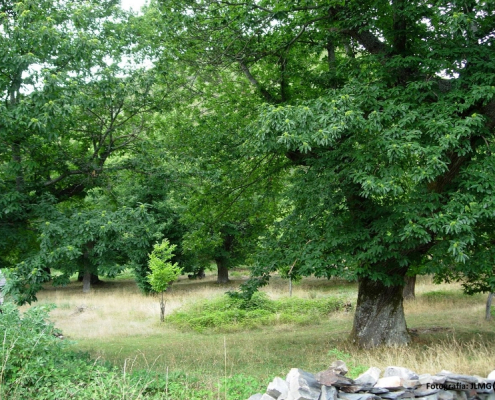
117,323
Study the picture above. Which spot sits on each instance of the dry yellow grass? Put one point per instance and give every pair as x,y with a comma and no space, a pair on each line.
117,322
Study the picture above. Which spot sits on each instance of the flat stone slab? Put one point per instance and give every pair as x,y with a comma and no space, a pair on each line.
328,393
368,378
389,382
401,394
427,389
278,387
302,385
331,378
401,372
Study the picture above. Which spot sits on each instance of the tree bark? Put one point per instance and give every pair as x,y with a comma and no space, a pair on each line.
222,270
488,315
409,288
88,269
379,318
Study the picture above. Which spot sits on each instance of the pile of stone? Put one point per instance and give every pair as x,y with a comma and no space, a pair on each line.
396,383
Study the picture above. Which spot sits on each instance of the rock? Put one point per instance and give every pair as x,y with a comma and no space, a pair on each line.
358,396
491,375
339,367
389,382
278,387
454,378
401,394
459,395
445,395
351,396
328,393
354,389
378,390
404,373
256,396
485,386
331,378
368,378
266,396
302,385
411,383
427,390
429,397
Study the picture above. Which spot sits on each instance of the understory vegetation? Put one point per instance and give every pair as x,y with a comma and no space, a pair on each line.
214,347
227,314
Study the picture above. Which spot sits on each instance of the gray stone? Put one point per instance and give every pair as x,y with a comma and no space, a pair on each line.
485,386
331,378
454,378
401,394
389,382
368,378
491,375
256,396
445,395
411,383
354,388
487,396
328,393
378,390
278,387
339,367
350,396
266,396
429,397
427,390
302,385
404,373
358,396
459,395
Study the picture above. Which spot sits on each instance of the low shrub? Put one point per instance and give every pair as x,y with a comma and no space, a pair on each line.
232,314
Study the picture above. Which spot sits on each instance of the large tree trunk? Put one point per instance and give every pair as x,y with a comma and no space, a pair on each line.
409,288
88,268
94,278
379,318
222,270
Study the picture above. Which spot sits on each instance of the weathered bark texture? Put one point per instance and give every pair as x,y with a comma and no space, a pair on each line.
379,318
223,270
488,315
88,268
409,288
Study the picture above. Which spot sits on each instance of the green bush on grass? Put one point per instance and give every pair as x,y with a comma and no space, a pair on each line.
231,314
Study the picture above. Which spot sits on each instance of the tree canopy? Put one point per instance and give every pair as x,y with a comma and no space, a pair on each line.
330,138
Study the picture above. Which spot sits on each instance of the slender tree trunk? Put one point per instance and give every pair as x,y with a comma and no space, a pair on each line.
379,318
222,270
409,288
488,315
162,309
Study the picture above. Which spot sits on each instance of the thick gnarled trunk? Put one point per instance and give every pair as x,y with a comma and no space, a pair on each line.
223,270
409,288
379,318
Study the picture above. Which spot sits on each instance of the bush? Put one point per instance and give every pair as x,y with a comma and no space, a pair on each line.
231,313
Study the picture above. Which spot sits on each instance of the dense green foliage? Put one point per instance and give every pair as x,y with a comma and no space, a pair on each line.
163,272
230,314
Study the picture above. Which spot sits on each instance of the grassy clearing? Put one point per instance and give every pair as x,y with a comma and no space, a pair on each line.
118,324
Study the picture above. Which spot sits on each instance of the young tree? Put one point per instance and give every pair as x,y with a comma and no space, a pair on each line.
387,113
163,272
